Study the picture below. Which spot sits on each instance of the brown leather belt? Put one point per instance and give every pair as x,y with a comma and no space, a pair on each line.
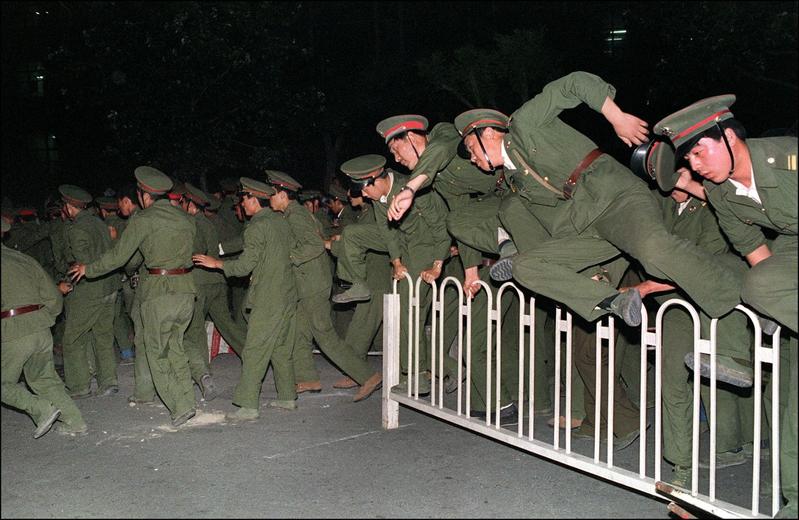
568,186
183,270
20,310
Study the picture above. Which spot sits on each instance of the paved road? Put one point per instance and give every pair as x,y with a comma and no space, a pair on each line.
330,458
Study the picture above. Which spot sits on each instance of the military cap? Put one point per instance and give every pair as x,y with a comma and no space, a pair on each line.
152,181
257,188
196,195
480,118
282,180
26,212
109,203
337,192
362,166
310,195
685,127
395,125
655,159
75,195
213,203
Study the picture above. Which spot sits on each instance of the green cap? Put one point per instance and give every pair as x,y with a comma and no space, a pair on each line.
257,188
109,203
310,195
75,195
196,195
282,180
337,192
213,203
362,166
152,181
480,118
685,127
656,159
395,125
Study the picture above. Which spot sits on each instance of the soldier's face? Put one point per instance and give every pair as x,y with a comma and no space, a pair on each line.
710,158
492,151
404,150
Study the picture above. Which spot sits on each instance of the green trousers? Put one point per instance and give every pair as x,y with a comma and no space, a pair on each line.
270,337
211,301
474,225
630,224
123,327
32,355
770,287
315,323
89,332
143,385
165,320
367,320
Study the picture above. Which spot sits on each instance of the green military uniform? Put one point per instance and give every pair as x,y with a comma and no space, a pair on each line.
321,214
28,345
271,302
211,299
418,240
314,282
770,287
89,307
164,235
608,211
230,231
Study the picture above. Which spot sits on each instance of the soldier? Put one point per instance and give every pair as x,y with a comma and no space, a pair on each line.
752,186
211,298
271,302
30,303
314,282
312,200
164,235
123,327
592,207
417,245
89,308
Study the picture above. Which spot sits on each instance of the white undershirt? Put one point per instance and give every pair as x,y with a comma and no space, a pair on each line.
750,192
384,198
682,206
507,163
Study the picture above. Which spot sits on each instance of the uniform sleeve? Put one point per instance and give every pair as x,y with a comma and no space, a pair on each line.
245,263
745,238
564,93
48,293
441,148
122,250
79,243
307,242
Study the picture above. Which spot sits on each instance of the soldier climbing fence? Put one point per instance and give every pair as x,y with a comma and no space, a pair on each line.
646,477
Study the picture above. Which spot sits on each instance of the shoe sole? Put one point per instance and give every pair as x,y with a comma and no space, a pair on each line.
502,271
45,426
336,299
723,373
183,419
377,387
630,310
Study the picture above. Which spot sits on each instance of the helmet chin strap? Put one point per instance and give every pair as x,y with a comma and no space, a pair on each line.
729,150
485,153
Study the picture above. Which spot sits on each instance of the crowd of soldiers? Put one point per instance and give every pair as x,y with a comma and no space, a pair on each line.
706,215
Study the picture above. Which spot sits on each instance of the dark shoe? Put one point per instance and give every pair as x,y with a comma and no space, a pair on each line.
345,383
81,395
135,400
309,386
107,390
508,414
359,292
681,476
507,248
725,459
424,385
72,431
208,387
619,443
728,370
502,271
451,383
243,414
371,384
182,418
46,424
626,305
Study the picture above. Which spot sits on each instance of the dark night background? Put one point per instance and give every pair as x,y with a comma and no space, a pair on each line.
205,90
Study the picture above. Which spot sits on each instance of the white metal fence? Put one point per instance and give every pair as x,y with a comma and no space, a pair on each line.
647,477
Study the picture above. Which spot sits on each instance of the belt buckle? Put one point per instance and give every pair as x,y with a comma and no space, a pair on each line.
568,189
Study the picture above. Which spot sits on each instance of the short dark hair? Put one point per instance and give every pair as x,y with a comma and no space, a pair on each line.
713,133
404,135
129,190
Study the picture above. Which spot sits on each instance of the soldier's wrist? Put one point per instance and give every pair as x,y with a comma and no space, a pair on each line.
406,187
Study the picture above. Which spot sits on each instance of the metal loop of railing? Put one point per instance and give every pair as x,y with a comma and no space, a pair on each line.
460,413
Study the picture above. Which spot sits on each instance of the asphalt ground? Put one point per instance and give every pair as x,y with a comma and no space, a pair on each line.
329,458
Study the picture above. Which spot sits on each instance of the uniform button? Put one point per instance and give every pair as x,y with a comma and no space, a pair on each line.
770,160
533,150
546,179
763,210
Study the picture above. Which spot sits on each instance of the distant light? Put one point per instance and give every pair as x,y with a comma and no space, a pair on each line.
52,137
37,12
612,39
618,31
39,76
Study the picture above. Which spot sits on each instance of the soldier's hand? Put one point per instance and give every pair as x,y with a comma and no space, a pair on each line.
400,204
76,272
64,288
113,232
432,274
470,285
207,261
399,271
630,129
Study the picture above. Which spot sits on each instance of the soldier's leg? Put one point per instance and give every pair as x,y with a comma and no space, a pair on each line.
302,351
358,238
41,376
474,225
144,388
77,327
128,295
195,340
122,325
316,308
165,321
526,230
16,354
282,365
103,332
788,438
234,333
770,287
238,294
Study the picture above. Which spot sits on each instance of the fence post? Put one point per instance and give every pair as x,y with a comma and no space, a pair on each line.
391,352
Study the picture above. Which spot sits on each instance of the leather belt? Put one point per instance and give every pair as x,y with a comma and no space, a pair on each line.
568,186
20,310
183,270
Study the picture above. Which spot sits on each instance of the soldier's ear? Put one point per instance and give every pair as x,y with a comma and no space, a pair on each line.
731,136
